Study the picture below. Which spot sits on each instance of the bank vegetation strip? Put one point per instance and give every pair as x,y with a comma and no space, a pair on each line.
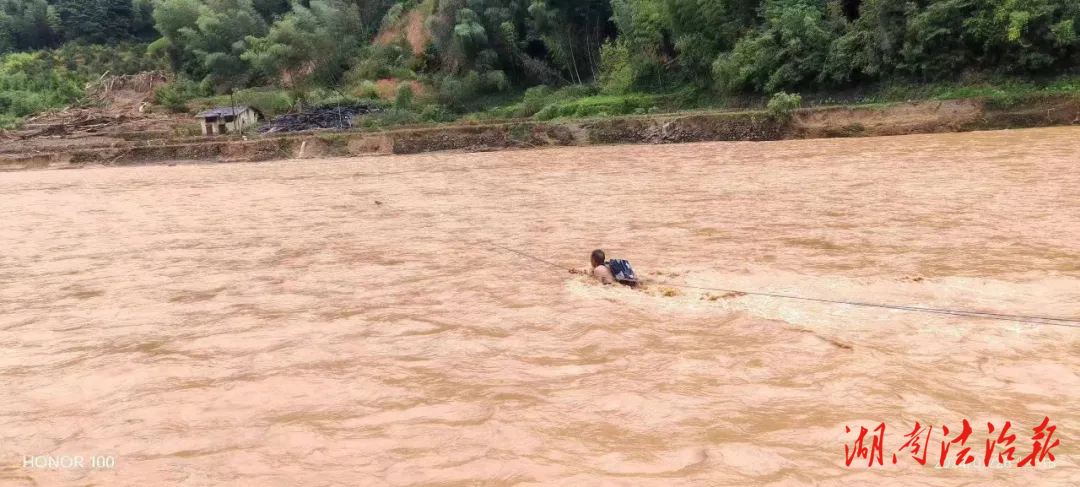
759,125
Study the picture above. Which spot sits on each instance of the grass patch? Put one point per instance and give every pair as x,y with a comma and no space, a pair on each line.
10,122
997,88
601,106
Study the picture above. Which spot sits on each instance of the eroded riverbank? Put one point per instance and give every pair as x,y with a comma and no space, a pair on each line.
829,122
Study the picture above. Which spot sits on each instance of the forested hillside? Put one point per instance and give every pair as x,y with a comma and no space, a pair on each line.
452,56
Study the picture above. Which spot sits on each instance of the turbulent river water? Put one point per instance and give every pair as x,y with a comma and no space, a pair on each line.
358,321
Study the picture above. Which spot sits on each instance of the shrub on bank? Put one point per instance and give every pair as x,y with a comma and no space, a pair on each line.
782,105
436,114
367,89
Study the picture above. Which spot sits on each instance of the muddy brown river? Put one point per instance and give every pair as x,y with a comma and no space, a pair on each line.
361,321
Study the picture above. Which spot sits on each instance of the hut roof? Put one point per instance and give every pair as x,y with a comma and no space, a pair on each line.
227,111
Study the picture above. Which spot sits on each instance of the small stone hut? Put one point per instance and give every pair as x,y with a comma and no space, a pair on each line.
224,120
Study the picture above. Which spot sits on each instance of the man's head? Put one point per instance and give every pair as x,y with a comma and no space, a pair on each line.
597,258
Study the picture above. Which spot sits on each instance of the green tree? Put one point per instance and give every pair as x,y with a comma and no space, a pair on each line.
871,45
271,9
96,21
171,17
27,24
1025,36
788,52
311,44
404,98
7,40
371,14
572,32
702,29
936,45
207,40
142,20
470,37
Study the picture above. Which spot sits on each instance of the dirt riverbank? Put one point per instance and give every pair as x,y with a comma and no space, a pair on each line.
848,121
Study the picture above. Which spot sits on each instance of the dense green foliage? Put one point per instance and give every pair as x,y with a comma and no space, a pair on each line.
478,52
36,24
479,47
31,82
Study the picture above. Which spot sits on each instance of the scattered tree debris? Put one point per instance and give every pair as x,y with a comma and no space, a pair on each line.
113,105
104,88
327,117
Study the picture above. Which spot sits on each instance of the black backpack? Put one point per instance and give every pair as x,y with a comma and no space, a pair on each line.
621,270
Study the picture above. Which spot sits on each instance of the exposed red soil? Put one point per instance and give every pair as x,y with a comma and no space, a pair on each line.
415,31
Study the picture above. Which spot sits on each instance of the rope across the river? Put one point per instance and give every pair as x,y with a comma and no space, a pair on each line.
1035,320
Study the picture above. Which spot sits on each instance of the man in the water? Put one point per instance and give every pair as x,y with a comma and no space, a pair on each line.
611,272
